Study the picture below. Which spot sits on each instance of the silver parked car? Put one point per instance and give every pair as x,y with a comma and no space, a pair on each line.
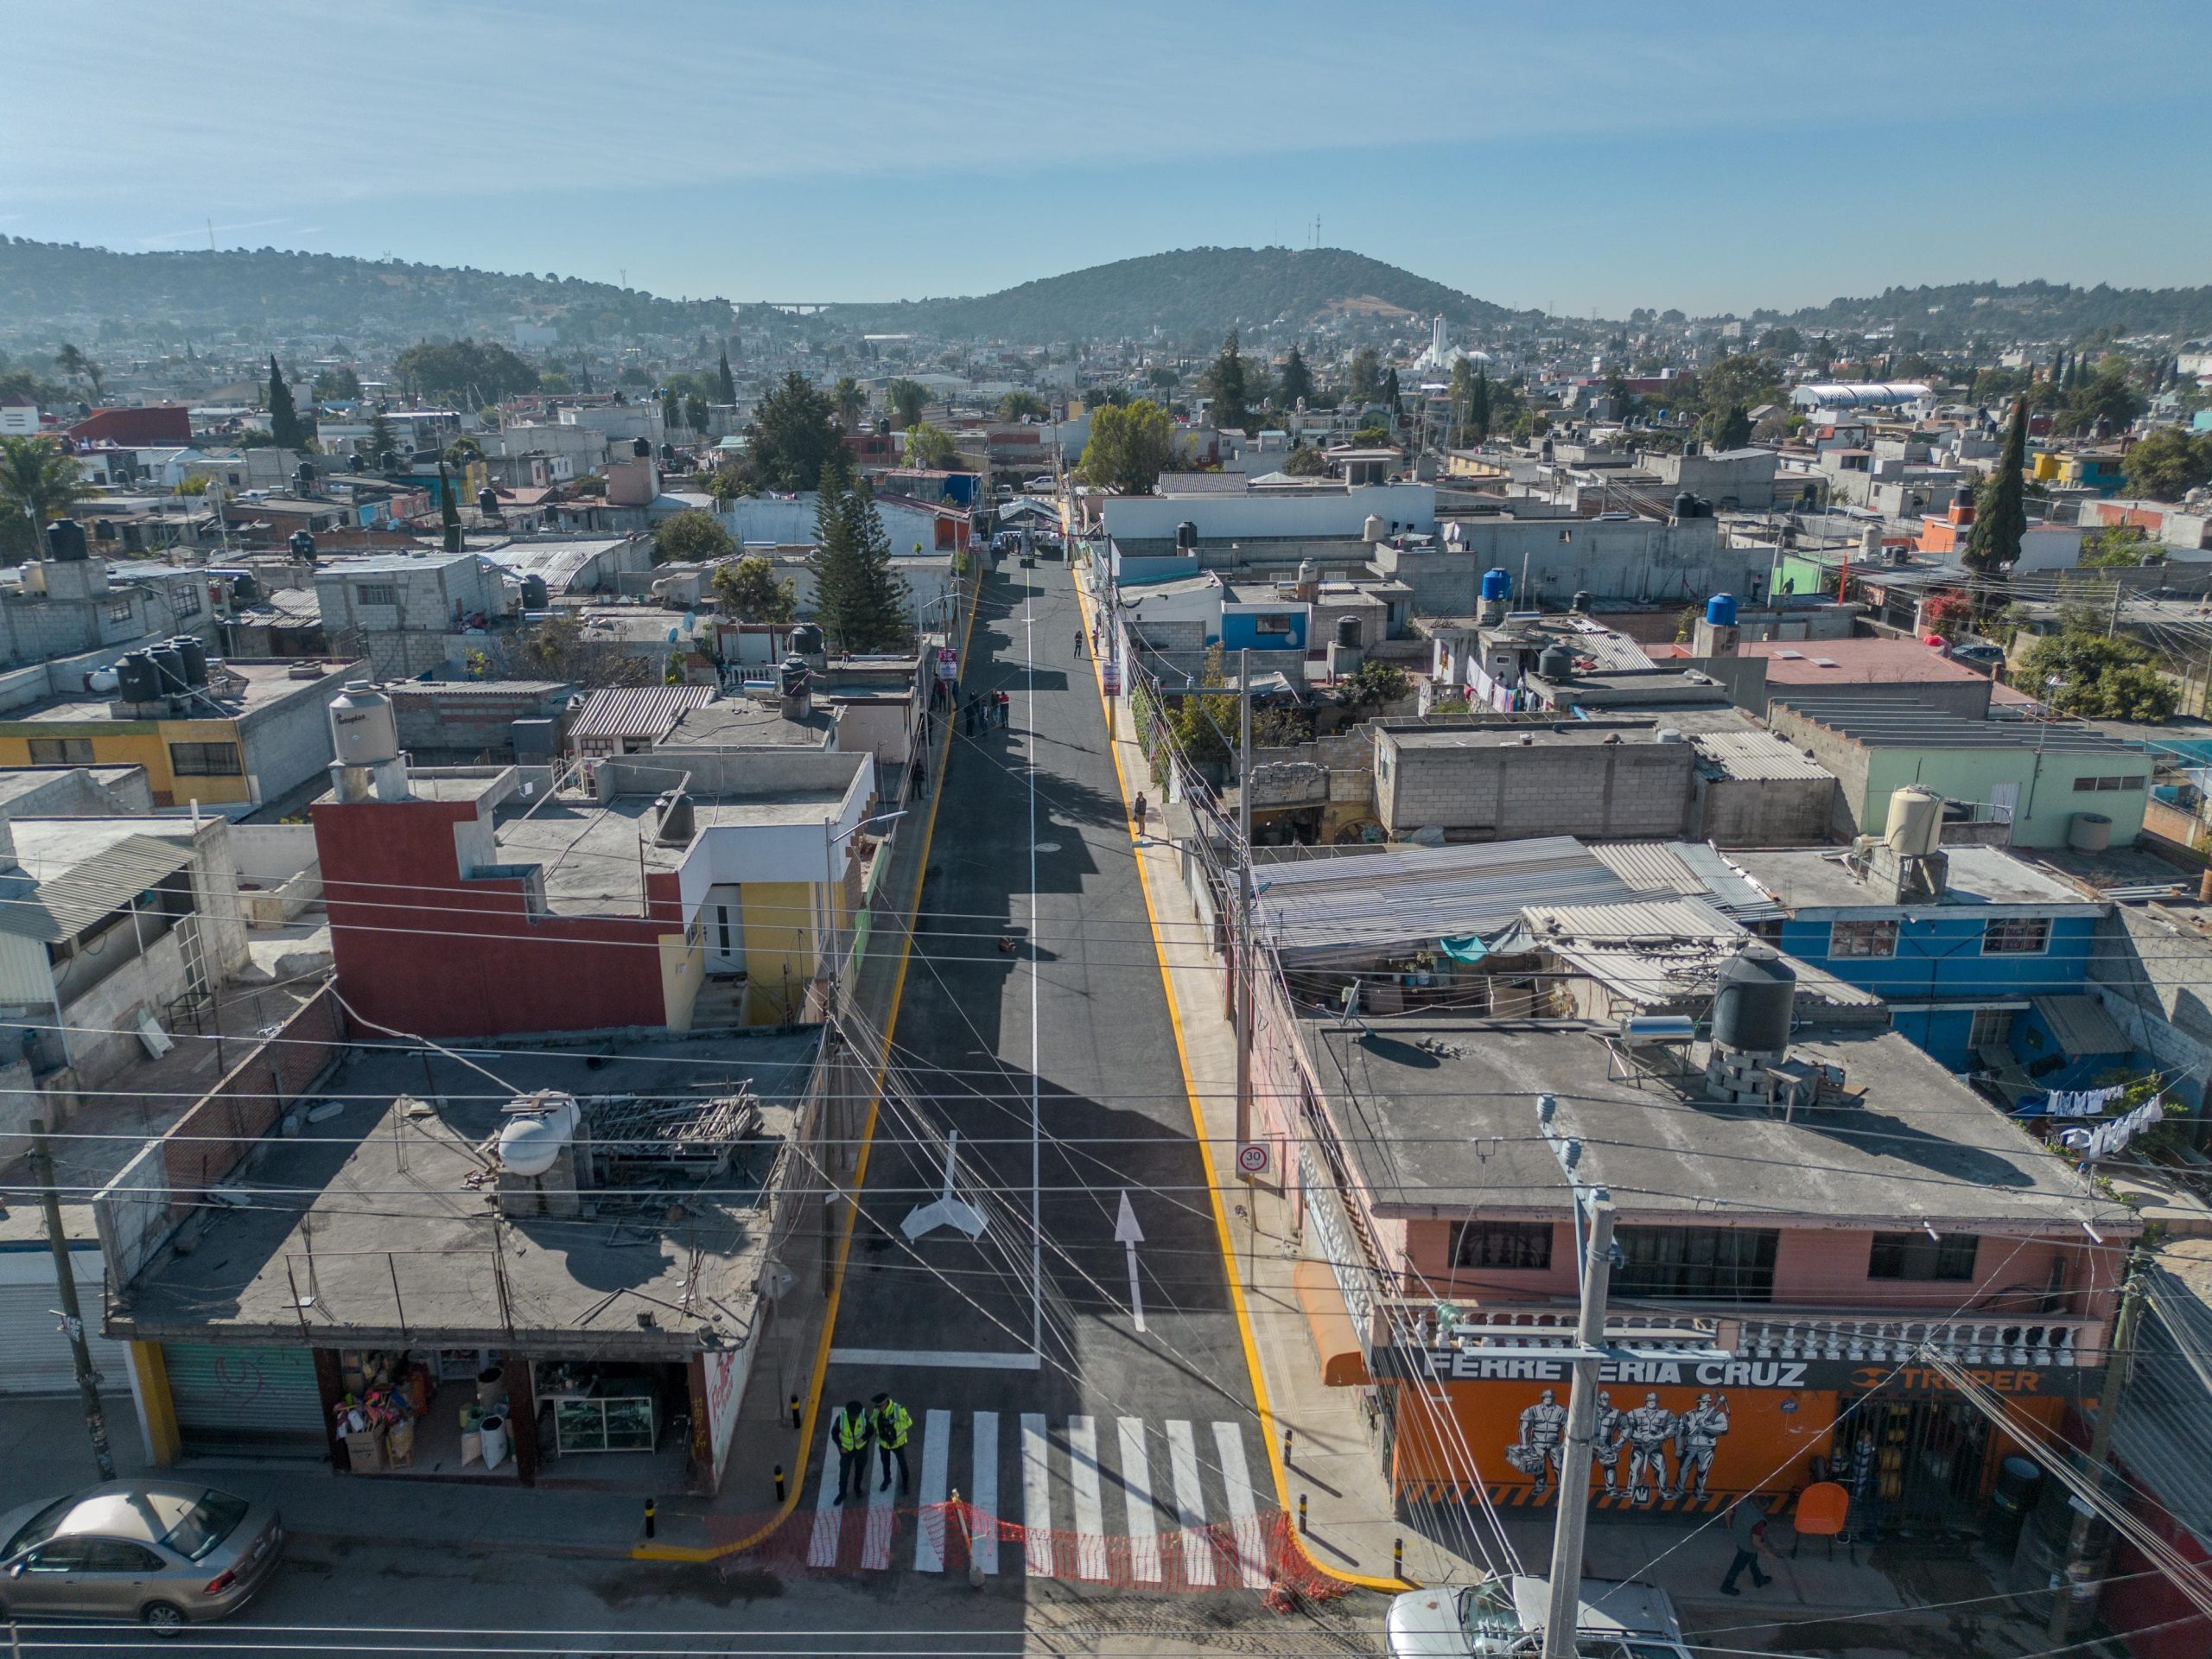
166,1553
1500,1617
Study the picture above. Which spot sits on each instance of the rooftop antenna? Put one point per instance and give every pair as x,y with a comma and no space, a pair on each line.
211,236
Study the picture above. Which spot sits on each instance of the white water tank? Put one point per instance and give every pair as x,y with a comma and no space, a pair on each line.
1374,530
1915,826
363,729
541,1128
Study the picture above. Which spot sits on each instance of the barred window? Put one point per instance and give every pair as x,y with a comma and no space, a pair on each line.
204,760
1514,1244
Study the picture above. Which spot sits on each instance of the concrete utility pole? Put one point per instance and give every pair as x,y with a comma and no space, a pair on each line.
2116,1371
1594,1208
73,1321
1244,899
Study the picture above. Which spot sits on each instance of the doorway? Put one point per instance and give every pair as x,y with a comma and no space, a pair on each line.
725,919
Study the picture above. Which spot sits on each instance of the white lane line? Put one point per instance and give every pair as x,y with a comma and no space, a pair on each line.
1137,1484
1243,1513
937,1464
934,1358
1036,1495
1090,1508
875,1542
1189,1504
984,1494
1036,1067
822,1544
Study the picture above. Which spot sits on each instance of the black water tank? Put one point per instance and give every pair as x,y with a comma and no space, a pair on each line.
303,477
806,640
1686,505
247,589
1758,991
535,596
1583,599
168,670
137,679
1348,633
303,546
793,674
1556,663
194,656
487,502
1186,535
65,542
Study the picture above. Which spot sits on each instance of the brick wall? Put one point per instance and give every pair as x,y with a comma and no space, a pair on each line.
1499,793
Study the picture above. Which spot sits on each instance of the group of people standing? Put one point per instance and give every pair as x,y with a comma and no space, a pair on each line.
983,710
884,1424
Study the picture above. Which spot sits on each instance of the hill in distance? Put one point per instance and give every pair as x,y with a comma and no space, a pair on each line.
1958,311
1190,291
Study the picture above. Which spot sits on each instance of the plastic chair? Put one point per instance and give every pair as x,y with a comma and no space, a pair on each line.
1822,1510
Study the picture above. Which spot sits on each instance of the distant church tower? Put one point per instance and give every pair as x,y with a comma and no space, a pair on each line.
1439,341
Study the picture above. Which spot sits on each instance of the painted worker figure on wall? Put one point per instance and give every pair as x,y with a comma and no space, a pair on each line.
1696,1439
1650,1426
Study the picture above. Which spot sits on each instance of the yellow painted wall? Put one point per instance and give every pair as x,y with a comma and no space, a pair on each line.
780,949
682,969
161,1410
138,743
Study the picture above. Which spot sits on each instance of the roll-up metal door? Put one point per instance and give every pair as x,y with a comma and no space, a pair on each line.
34,1357
237,1399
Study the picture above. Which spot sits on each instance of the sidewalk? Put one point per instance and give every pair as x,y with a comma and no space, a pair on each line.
1336,1465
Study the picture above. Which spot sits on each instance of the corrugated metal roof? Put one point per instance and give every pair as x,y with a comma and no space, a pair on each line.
1689,868
1728,888
2080,1025
646,711
1648,866
2163,1430
1663,952
1409,894
64,906
1756,757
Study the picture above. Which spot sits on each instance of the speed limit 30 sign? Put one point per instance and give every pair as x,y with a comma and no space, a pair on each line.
1253,1158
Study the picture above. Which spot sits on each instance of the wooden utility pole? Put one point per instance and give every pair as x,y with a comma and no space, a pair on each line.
73,1321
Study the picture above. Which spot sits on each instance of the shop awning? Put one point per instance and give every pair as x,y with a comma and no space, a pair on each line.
1344,1357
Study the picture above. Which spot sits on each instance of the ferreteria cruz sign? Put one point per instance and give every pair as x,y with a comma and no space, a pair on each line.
1707,1371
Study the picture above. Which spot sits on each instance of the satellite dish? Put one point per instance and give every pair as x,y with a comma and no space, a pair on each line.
690,621
671,636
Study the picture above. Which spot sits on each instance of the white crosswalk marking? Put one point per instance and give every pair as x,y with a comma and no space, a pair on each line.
1036,1495
1137,1484
984,1494
937,1461
875,1542
822,1546
1190,1503
1090,1508
1243,1514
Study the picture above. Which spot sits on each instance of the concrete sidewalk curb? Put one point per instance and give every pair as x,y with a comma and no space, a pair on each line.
483,1546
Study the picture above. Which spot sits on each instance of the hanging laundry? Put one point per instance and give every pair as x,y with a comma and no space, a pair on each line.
2109,1139
2082,1102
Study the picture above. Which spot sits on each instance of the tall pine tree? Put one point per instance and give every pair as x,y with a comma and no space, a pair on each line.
860,599
1479,406
2000,517
1297,378
725,383
285,427
449,509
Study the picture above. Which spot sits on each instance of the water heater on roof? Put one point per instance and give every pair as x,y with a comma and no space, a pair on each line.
539,1129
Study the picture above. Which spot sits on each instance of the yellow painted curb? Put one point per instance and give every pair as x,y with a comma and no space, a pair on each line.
1213,1181
659,1552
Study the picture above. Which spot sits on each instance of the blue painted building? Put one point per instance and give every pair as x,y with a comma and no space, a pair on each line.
1997,965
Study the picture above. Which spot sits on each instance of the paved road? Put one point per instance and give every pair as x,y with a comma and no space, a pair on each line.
1068,1413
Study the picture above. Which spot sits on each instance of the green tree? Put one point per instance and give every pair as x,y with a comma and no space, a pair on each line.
1130,446
860,598
1223,381
906,399
38,484
1304,461
2104,395
559,649
1376,683
693,537
1729,429
1022,406
749,590
1390,393
448,510
795,435
338,385
695,412
78,366
463,371
554,384
2099,677
382,440
1203,726
462,452
929,447
1160,375
1297,381
2170,463
1366,375
671,412
725,383
2118,547
1479,406
1372,437
2000,517
1746,377
849,399
286,429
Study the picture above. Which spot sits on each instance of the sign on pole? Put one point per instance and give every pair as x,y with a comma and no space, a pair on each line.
1253,1158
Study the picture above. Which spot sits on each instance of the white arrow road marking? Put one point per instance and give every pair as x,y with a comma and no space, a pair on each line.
1128,1234
946,1211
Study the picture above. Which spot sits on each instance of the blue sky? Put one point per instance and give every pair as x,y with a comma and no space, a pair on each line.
1710,157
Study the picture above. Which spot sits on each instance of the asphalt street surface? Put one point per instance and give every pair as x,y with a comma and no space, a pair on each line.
1048,1000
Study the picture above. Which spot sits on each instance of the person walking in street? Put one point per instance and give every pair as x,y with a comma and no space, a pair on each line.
851,1429
1747,1531
968,716
1078,645
892,1423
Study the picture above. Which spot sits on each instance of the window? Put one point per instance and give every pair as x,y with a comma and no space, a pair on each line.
1278,624
62,1555
62,750
1863,939
1990,1025
204,760
2106,784
1711,1264
116,1555
185,595
1770,930
1514,1244
1915,1256
118,610
375,592
213,1519
2024,937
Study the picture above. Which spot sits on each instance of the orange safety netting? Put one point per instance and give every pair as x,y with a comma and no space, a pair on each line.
1260,1553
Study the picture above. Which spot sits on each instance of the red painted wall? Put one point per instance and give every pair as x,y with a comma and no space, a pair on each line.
132,427
420,950
2154,1619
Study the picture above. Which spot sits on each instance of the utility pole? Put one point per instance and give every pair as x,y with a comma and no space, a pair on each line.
1594,1215
2117,1366
73,1321
1244,904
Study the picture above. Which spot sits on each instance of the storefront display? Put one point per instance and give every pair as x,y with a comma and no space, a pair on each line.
601,1409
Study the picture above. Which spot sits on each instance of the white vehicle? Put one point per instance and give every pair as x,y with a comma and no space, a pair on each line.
1505,1616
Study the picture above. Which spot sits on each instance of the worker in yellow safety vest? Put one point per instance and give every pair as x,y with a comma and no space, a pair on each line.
851,1429
893,1423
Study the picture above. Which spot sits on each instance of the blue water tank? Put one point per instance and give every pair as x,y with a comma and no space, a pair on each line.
1720,610
1497,584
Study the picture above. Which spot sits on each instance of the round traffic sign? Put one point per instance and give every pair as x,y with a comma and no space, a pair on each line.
1252,1157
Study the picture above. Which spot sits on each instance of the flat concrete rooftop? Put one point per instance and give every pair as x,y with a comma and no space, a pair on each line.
369,1216
1817,878
266,683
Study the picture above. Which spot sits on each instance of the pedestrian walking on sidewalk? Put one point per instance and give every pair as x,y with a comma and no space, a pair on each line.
851,1429
893,1423
1137,808
1747,1531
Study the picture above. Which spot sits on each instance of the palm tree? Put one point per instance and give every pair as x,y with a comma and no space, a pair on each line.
75,364
38,484
849,399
